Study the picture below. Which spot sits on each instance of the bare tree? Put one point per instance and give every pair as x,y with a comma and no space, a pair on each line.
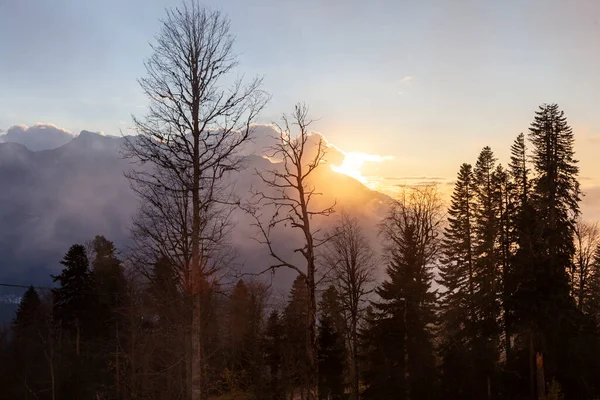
190,137
421,207
587,240
353,263
288,199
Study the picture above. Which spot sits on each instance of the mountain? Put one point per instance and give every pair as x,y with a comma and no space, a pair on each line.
51,199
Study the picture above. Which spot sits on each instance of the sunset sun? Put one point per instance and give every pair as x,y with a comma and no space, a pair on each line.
353,162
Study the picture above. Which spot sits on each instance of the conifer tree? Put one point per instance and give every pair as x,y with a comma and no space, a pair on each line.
458,302
486,229
295,321
503,189
400,349
74,298
74,311
28,328
556,199
274,343
332,354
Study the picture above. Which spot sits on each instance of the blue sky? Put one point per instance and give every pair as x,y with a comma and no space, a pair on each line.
427,82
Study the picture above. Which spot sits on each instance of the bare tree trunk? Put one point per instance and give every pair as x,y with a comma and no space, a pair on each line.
117,370
291,201
133,360
541,383
196,350
313,385
50,361
354,362
77,339
196,388
531,366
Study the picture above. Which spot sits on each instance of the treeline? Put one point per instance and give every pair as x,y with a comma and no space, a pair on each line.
495,299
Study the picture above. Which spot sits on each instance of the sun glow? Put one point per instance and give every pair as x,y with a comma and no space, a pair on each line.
353,162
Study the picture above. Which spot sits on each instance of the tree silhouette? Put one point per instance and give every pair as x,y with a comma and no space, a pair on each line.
191,138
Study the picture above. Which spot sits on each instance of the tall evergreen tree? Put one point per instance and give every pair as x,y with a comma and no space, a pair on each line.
295,322
73,309
28,327
486,230
544,310
556,197
74,298
458,303
273,344
109,324
504,201
332,354
400,354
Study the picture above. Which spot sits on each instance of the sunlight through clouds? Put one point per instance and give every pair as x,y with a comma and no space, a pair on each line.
353,161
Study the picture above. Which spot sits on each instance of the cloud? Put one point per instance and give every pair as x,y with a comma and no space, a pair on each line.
418,183
264,137
414,178
406,79
40,136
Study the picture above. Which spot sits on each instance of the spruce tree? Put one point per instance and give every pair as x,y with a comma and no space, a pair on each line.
109,322
332,351
273,344
28,327
400,358
458,301
74,298
556,197
295,322
74,310
518,170
486,235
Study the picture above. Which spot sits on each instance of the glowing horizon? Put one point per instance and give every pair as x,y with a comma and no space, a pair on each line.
354,161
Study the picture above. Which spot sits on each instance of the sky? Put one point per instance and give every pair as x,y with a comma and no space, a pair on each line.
421,86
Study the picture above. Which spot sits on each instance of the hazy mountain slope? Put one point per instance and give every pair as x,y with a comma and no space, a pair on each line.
51,199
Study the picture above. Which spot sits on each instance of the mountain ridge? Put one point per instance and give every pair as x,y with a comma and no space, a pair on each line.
54,198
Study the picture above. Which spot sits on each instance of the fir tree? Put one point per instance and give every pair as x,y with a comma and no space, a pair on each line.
332,354
295,322
556,200
74,310
458,302
400,358
486,229
274,343
28,327
74,298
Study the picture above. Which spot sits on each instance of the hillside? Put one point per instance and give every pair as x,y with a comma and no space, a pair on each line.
51,199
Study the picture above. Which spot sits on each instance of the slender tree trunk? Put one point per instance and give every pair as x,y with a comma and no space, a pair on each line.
313,384
196,389
117,370
77,338
405,373
133,361
541,383
50,361
196,361
531,366
354,362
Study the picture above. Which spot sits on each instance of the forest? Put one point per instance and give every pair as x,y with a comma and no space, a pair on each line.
494,294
